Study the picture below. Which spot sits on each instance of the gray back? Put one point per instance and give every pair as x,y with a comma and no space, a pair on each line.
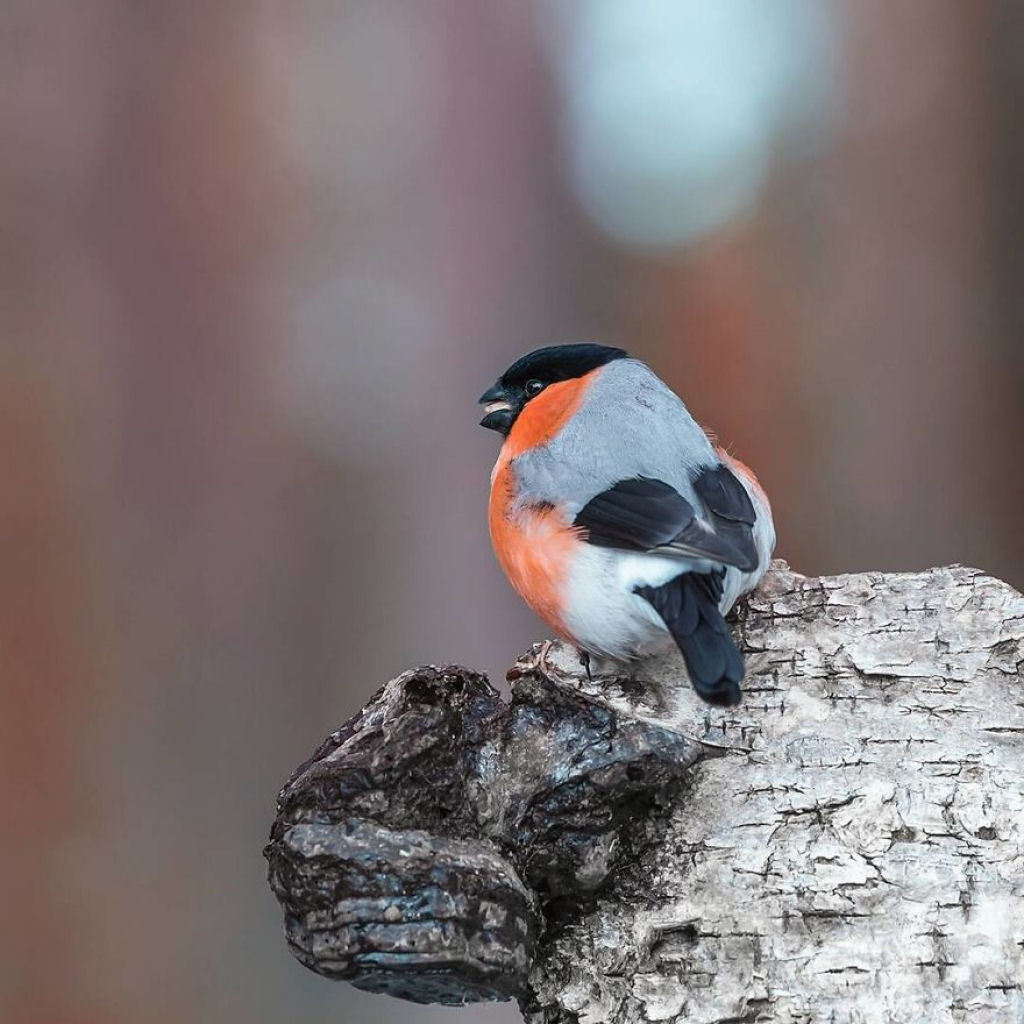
630,424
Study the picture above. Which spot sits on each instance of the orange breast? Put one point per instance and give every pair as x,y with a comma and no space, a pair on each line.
534,547
533,542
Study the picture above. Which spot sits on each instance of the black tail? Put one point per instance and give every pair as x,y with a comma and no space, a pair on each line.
689,607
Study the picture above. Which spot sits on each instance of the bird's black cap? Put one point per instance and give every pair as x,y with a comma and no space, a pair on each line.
559,362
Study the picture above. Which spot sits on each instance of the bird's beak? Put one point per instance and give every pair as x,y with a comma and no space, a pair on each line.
499,413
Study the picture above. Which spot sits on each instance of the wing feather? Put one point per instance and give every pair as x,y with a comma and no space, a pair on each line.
641,514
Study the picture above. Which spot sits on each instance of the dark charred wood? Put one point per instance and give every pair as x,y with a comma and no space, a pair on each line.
413,853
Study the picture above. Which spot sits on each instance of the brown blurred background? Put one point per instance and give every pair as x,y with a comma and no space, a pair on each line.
258,261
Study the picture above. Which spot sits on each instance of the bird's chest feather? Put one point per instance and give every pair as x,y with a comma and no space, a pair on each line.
534,545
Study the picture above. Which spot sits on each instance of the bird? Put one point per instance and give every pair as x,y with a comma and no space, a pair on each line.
619,520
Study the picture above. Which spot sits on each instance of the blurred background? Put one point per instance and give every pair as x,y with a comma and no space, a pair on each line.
259,260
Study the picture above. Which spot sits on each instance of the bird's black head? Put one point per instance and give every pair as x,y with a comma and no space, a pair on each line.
528,377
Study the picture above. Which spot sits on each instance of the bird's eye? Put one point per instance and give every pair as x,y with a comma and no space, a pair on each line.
534,387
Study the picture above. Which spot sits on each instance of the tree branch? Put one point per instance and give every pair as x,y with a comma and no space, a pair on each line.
848,844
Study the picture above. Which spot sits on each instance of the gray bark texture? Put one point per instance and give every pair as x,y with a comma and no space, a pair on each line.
845,846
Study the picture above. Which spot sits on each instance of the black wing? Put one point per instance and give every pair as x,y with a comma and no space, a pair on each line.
641,514
731,510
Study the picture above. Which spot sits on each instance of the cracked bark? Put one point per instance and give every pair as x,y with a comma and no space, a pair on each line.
847,845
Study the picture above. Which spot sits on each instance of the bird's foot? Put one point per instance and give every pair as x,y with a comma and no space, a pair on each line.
545,661
535,662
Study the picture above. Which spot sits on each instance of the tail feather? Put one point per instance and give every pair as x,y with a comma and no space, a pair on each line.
688,605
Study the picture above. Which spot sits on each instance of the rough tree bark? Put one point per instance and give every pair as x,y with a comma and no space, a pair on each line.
847,845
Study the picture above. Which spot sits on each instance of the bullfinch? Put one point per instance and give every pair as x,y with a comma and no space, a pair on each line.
617,518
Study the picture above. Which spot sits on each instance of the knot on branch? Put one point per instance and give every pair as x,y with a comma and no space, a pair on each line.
414,851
